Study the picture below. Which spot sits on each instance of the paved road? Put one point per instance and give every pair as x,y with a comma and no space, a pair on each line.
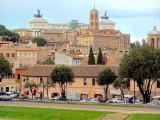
142,109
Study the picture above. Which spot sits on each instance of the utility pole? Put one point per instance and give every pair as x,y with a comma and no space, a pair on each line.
43,76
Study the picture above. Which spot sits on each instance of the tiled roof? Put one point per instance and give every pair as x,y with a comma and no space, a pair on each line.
79,71
23,68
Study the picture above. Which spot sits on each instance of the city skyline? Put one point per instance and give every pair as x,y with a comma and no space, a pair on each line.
133,17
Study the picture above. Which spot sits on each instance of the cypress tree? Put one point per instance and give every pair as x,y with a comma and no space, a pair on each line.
100,57
91,59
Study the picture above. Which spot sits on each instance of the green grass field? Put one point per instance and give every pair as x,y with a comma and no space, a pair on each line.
143,117
29,113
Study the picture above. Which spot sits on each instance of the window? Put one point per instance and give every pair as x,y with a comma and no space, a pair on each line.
34,53
25,53
158,84
1,54
28,59
85,81
7,54
24,80
18,76
93,81
33,59
24,59
29,53
12,55
20,53
12,65
70,83
41,80
0,79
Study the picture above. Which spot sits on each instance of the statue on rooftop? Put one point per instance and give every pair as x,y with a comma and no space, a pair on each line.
39,15
105,15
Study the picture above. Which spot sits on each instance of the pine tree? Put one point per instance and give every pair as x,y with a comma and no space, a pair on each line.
100,58
91,59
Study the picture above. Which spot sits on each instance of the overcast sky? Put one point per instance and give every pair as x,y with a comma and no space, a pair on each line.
135,17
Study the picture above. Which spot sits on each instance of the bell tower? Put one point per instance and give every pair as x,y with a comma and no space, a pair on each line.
94,19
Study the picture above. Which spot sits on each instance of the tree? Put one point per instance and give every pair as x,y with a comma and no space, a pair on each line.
48,61
6,35
122,85
2,27
15,37
62,75
100,58
48,84
40,41
91,59
142,65
133,44
31,85
5,68
105,78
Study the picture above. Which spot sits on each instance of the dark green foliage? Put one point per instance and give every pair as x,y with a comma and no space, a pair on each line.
5,68
100,58
91,59
133,45
143,66
40,41
62,75
15,37
122,85
6,35
106,78
48,61
2,27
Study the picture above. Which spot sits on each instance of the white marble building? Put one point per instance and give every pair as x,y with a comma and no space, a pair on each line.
38,23
106,23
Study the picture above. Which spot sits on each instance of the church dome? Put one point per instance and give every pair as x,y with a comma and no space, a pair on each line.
38,20
154,31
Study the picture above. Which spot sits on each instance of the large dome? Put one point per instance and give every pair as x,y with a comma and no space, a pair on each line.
38,20
154,31
106,21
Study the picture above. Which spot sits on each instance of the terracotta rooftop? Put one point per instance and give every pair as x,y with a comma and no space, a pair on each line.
79,71
23,68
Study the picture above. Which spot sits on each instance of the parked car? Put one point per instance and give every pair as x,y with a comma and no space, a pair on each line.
128,100
138,102
14,95
2,93
103,100
93,101
155,102
11,92
115,100
55,98
22,96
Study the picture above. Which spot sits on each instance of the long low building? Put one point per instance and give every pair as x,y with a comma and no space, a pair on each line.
85,81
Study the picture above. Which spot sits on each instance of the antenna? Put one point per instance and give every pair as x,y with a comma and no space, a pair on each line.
154,23
94,4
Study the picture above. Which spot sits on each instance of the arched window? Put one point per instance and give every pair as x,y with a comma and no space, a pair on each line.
152,41
158,42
